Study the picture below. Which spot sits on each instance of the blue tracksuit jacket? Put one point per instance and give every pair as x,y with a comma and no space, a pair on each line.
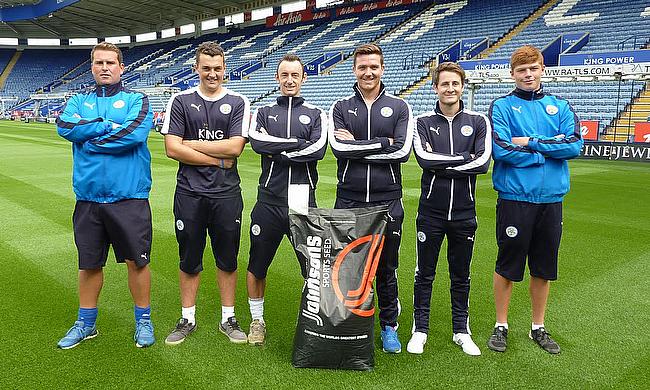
109,164
538,172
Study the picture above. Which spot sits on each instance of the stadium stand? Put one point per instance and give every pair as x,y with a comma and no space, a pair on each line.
411,35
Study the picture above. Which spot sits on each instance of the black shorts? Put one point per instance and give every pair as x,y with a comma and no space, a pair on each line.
221,217
528,230
126,225
269,224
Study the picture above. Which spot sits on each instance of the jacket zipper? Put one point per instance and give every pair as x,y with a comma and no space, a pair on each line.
369,109
289,136
451,151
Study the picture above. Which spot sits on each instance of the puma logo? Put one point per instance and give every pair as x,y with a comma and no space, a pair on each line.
518,108
198,107
91,106
435,130
354,112
274,117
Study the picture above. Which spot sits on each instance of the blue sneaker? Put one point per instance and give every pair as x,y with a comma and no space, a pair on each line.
77,334
390,341
143,336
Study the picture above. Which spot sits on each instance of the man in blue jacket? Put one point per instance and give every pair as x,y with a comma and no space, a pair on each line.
534,134
108,128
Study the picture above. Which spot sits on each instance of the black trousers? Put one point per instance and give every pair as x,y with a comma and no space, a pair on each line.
460,243
386,276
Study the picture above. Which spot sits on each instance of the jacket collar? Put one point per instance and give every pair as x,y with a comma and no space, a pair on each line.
439,112
529,95
283,101
357,90
108,90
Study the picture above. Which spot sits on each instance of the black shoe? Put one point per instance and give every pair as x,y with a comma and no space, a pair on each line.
498,340
544,340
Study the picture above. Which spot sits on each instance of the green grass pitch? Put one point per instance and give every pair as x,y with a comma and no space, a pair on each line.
598,311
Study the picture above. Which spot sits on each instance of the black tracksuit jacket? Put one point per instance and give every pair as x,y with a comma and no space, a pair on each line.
451,152
290,135
369,167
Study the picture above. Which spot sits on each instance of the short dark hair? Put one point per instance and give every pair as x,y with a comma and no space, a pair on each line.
290,57
448,67
106,46
211,49
366,49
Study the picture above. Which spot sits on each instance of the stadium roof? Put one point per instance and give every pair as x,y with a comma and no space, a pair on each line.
95,18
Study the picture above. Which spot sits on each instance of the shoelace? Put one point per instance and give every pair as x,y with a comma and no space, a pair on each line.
145,325
500,334
543,336
78,329
232,324
391,336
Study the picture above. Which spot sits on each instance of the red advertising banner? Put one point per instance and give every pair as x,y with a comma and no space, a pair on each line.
589,130
371,6
307,15
295,17
642,132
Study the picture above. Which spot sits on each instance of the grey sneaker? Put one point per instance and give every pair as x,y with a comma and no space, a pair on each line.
232,329
182,330
544,340
498,340
257,333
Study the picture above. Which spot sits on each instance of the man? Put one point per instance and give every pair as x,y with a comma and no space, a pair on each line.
205,129
371,134
452,145
108,128
534,134
290,135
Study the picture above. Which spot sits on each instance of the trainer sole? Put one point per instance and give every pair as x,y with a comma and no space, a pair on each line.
256,343
144,346
90,336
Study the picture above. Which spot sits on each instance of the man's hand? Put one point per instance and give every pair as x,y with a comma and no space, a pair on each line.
521,141
226,163
390,141
343,134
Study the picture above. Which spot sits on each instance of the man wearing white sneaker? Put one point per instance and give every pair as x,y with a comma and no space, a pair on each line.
452,145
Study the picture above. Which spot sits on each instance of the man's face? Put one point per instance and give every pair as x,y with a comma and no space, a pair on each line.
290,76
211,71
449,88
528,76
368,70
106,68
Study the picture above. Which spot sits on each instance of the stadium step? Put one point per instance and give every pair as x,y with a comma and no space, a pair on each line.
9,67
638,111
519,28
420,83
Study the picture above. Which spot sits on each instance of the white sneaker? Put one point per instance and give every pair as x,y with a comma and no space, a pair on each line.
466,342
416,344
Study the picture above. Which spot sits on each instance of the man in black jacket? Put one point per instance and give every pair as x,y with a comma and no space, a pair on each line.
290,136
452,145
371,133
